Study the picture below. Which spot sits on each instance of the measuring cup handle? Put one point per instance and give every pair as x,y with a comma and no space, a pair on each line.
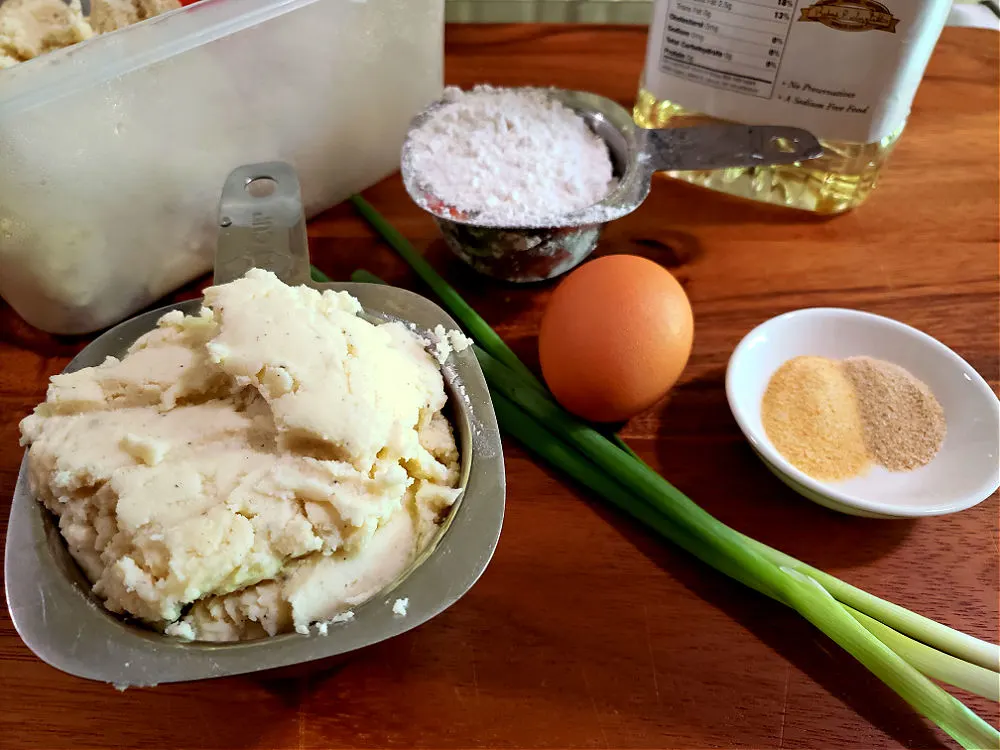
261,224
719,146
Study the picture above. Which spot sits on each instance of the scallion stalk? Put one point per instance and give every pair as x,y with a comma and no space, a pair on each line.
316,275
931,662
363,276
802,593
868,628
476,327
923,629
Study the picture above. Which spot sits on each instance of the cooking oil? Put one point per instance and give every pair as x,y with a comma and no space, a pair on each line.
846,70
839,180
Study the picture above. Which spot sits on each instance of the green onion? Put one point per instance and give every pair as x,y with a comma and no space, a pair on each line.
367,277
924,629
942,637
476,327
873,630
316,275
932,662
809,598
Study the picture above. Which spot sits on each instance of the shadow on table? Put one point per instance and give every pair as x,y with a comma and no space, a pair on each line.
16,332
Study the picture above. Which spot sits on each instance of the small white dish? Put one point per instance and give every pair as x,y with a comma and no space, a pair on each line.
965,472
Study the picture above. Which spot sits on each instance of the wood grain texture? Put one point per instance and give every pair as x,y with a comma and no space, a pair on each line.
585,631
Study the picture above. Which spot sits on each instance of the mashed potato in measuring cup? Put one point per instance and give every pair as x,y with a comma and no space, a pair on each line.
264,465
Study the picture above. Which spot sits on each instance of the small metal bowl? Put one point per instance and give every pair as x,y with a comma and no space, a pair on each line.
520,255
535,253
49,598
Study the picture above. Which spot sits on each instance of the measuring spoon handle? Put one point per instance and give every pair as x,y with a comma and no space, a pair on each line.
719,146
261,224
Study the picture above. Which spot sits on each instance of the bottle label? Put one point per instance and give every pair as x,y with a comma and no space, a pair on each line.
846,70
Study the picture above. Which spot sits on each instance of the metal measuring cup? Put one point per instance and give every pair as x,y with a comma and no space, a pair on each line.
534,253
50,600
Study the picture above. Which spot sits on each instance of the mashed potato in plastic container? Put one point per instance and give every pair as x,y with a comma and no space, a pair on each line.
267,464
112,150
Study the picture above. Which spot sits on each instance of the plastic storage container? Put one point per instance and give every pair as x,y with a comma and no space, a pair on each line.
112,152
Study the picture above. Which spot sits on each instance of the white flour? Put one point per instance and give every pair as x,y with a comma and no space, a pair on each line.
511,157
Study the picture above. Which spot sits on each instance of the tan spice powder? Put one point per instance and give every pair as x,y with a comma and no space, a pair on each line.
904,425
810,414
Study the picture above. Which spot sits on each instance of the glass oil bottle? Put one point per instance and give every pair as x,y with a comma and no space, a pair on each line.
847,70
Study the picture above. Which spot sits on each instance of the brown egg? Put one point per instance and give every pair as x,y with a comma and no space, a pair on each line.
615,337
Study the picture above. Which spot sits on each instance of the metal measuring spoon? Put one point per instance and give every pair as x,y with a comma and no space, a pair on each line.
537,252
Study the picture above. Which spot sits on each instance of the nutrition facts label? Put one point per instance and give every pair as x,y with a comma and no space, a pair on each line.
735,45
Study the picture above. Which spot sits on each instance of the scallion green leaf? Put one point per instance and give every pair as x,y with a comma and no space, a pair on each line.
476,327
316,275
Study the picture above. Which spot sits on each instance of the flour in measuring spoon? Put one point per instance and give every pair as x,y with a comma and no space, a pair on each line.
509,156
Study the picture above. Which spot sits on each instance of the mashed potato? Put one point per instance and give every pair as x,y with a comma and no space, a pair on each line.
29,28
266,464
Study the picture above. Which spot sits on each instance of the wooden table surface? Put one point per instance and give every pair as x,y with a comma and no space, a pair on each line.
585,631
